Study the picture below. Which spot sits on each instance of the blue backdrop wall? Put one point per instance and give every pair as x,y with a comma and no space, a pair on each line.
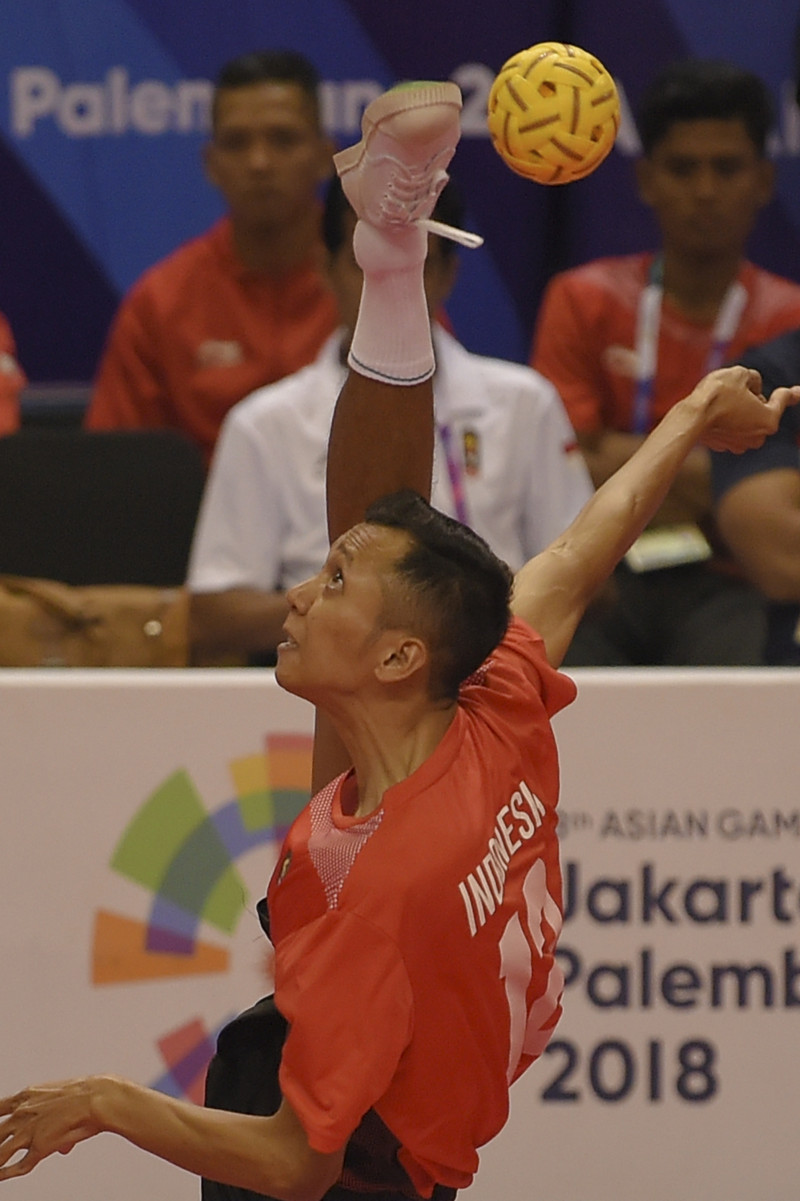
103,112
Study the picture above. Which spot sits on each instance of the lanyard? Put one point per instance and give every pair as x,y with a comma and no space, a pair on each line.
648,321
455,472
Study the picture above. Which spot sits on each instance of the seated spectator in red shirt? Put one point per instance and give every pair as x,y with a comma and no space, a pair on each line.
245,303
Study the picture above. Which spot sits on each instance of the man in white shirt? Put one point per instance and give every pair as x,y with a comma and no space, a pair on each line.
506,462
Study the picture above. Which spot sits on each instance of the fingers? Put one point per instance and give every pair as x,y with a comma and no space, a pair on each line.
753,381
737,376
21,1167
13,1144
781,398
37,1122
9,1104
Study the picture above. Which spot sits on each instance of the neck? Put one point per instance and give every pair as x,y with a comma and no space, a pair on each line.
276,250
387,743
695,285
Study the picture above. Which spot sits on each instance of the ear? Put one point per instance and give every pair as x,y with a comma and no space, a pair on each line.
401,657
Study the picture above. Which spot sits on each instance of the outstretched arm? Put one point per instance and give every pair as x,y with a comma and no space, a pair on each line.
267,1155
726,412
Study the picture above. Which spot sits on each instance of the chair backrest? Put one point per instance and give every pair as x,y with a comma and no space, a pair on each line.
90,507
54,405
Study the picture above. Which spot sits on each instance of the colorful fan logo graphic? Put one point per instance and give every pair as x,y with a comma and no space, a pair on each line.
186,857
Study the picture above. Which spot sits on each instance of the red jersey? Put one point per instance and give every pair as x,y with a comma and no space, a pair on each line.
199,331
586,335
12,380
414,948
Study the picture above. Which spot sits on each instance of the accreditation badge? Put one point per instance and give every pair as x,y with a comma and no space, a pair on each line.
472,451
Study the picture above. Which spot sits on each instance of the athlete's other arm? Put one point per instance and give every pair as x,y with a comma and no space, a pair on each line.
725,412
269,1155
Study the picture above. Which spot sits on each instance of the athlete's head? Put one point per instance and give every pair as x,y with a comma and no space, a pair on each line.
268,153
408,598
447,586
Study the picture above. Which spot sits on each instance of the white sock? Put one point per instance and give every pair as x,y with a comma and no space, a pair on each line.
392,339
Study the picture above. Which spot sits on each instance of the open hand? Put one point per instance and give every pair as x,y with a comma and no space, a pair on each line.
39,1121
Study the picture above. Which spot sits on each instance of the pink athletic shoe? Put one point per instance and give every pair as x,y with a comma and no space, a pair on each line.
394,175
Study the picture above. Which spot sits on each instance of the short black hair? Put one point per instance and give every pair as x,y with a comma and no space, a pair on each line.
697,89
452,586
448,209
270,66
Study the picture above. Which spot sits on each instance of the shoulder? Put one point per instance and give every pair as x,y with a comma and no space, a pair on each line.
769,288
198,256
604,274
595,293
518,672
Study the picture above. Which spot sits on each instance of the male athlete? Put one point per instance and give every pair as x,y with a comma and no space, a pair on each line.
414,909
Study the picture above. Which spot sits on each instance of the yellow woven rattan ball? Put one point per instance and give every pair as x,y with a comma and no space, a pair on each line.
553,113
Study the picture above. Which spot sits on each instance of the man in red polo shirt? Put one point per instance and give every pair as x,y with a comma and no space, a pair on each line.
245,303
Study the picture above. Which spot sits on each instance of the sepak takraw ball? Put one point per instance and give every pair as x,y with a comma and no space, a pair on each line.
553,113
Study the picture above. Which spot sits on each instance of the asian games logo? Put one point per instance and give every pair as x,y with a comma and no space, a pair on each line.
185,857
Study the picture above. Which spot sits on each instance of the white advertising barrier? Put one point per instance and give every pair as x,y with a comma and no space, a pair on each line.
140,818
675,1071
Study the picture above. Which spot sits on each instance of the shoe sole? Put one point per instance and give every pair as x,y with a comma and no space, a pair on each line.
406,98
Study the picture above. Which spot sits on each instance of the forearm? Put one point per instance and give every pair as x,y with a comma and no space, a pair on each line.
605,451
237,621
687,499
627,501
257,1153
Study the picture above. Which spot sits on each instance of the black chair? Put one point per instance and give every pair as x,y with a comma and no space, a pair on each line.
54,405
89,507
